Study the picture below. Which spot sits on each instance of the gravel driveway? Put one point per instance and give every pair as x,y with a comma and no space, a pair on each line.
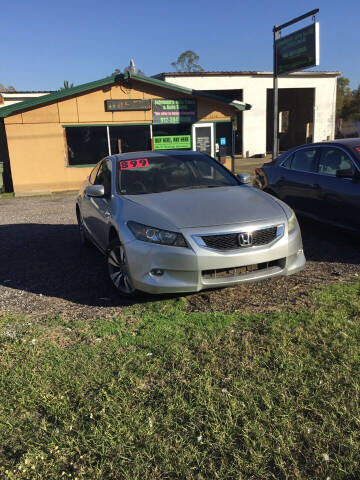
45,272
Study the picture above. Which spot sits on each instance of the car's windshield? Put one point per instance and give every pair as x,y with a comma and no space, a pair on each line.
164,173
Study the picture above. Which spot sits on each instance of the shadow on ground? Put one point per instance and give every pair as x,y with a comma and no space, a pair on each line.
48,261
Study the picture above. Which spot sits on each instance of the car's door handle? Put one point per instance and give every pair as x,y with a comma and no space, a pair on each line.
315,186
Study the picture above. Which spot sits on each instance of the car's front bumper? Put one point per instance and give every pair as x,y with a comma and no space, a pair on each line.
185,269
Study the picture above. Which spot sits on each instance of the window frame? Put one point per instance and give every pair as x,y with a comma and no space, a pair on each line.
291,156
335,147
66,146
97,166
107,126
106,159
117,172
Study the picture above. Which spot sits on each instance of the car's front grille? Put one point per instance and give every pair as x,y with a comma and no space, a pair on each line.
223,273
230,241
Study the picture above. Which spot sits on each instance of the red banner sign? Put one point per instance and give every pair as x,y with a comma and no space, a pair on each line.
136,163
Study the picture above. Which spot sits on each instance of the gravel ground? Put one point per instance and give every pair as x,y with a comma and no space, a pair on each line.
45,272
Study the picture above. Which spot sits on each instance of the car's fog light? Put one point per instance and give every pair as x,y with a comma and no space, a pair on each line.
300,251
157,272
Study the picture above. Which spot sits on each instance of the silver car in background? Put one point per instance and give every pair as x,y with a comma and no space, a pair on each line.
178,221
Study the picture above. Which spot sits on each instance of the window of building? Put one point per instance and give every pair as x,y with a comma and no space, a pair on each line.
224,129
86,145
129,138
284,121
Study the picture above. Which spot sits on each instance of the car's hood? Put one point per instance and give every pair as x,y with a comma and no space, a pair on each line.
207,207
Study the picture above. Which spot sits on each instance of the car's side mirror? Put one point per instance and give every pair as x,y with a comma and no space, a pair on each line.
95,191
345,173
244,178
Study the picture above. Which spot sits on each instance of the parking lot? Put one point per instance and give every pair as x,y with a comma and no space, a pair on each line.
44,272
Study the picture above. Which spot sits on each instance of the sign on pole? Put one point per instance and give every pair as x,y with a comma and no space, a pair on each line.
298,50
293,52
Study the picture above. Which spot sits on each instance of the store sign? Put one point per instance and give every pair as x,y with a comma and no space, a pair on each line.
127,105
203,139
183,110
170,142
298,50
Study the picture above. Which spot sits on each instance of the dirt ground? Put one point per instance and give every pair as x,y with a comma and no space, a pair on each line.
44,271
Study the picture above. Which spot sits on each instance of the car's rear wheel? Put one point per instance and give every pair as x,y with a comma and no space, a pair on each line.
118,269
85,242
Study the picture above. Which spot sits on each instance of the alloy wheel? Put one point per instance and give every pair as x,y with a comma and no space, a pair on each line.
118,270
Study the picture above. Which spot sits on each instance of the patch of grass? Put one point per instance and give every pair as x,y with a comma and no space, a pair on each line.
157,393
6,195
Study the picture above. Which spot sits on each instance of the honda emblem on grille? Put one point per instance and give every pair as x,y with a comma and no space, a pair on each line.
245,239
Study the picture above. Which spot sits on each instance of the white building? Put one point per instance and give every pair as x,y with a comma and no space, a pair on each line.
307,102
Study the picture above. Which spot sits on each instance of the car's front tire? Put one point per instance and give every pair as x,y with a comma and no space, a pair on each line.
118,269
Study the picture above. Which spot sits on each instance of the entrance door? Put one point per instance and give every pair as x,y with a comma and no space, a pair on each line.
203,138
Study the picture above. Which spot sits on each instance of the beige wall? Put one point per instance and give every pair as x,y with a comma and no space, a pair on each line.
36,140
255,88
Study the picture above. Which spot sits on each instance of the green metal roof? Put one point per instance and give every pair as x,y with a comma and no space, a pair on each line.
69,92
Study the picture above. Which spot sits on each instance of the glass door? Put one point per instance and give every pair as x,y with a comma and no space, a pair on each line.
203,138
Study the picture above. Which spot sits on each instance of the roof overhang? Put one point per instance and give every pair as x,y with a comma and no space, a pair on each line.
248,73
114,79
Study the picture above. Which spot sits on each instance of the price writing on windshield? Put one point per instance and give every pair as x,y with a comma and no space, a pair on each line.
137,163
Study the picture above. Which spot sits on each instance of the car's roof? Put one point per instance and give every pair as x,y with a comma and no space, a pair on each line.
156,153
347,142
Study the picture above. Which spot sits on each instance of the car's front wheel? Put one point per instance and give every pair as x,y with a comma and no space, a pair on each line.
118,269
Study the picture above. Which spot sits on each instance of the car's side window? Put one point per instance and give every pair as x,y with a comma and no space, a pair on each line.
303,160
93,173
333,159
103,176
287,162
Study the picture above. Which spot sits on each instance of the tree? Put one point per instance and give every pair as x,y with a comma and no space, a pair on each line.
347,101
187,62
6,89
66,85
351,108
343,96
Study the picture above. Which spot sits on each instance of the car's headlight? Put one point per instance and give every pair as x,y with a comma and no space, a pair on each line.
155,235
292,222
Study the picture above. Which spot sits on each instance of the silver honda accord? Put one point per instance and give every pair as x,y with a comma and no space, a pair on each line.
178,221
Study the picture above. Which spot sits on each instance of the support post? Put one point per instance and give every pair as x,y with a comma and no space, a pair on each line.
275,100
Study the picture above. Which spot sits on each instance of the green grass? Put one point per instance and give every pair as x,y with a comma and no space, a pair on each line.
158,393
6,195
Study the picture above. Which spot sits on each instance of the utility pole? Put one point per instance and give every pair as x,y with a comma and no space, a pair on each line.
275,99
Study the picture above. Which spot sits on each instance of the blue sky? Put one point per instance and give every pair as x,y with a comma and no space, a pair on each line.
46,42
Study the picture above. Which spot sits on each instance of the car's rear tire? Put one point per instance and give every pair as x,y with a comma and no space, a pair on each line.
118,270
257,183
84,240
